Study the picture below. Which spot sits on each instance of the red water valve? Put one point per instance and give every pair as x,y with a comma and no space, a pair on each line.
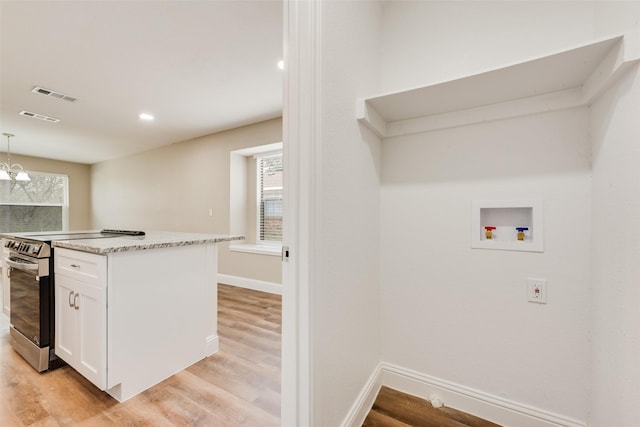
488,233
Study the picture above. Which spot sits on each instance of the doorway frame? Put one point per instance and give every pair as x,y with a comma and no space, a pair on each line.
302,142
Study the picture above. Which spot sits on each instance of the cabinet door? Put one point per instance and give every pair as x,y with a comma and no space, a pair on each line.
81,332
66,320
91,353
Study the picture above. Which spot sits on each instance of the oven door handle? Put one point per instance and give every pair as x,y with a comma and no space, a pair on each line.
21,266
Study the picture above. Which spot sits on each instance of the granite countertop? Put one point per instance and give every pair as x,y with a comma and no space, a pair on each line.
152,240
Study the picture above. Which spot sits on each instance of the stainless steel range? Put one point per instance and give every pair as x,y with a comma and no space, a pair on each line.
30,274
30,277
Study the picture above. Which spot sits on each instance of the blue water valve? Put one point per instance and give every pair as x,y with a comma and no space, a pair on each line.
521,231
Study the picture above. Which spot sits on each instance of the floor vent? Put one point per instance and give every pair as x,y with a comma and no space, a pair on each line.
39,116
54,94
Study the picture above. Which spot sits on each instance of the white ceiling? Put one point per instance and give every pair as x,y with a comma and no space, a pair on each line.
198,66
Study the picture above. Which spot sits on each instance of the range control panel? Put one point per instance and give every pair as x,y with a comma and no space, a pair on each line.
29,248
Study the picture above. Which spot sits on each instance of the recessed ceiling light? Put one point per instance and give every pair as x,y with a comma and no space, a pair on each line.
146,117
281,64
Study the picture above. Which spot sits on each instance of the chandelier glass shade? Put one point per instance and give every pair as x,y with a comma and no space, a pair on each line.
10,171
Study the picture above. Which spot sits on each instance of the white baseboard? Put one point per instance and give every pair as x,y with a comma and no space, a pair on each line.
212,345
256,285
364,402
493,408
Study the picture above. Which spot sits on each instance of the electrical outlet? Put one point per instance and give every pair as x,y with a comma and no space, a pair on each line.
537,290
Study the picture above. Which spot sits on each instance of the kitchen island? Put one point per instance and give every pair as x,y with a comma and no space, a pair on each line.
133,310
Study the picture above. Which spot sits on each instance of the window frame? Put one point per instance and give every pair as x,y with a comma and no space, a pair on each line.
64,205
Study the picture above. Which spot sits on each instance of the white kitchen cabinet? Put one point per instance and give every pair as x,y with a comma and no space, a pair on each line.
147,307
81,313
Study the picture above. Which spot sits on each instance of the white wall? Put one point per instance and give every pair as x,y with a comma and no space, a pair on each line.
615,249
461,314
615,16
430,41
345,337
616,254
173,187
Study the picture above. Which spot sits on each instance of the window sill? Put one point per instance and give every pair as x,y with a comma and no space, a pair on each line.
275,250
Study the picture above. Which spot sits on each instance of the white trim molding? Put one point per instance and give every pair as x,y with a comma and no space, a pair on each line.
213,344
273,250
301,117
485,405
256,285
364,402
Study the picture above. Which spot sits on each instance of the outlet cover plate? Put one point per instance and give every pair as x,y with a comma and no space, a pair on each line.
537,290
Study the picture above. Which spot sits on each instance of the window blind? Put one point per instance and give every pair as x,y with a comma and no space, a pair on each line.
269,198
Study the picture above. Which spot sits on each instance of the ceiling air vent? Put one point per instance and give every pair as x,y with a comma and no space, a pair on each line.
53,94
39,116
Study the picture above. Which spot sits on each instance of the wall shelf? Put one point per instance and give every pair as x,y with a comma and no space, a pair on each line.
565,79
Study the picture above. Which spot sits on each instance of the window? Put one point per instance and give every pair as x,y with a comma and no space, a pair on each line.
269,173
37,205
255,202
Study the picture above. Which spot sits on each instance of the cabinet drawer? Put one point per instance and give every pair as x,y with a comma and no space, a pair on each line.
87,268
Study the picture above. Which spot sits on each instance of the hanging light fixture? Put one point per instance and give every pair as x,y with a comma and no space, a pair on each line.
9,171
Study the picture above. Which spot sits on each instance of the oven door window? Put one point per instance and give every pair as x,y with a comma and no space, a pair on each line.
26,305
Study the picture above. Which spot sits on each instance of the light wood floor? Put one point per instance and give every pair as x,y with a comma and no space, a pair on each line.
396,409
238,386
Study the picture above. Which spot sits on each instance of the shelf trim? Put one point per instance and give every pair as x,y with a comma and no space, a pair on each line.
623,52
554,101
